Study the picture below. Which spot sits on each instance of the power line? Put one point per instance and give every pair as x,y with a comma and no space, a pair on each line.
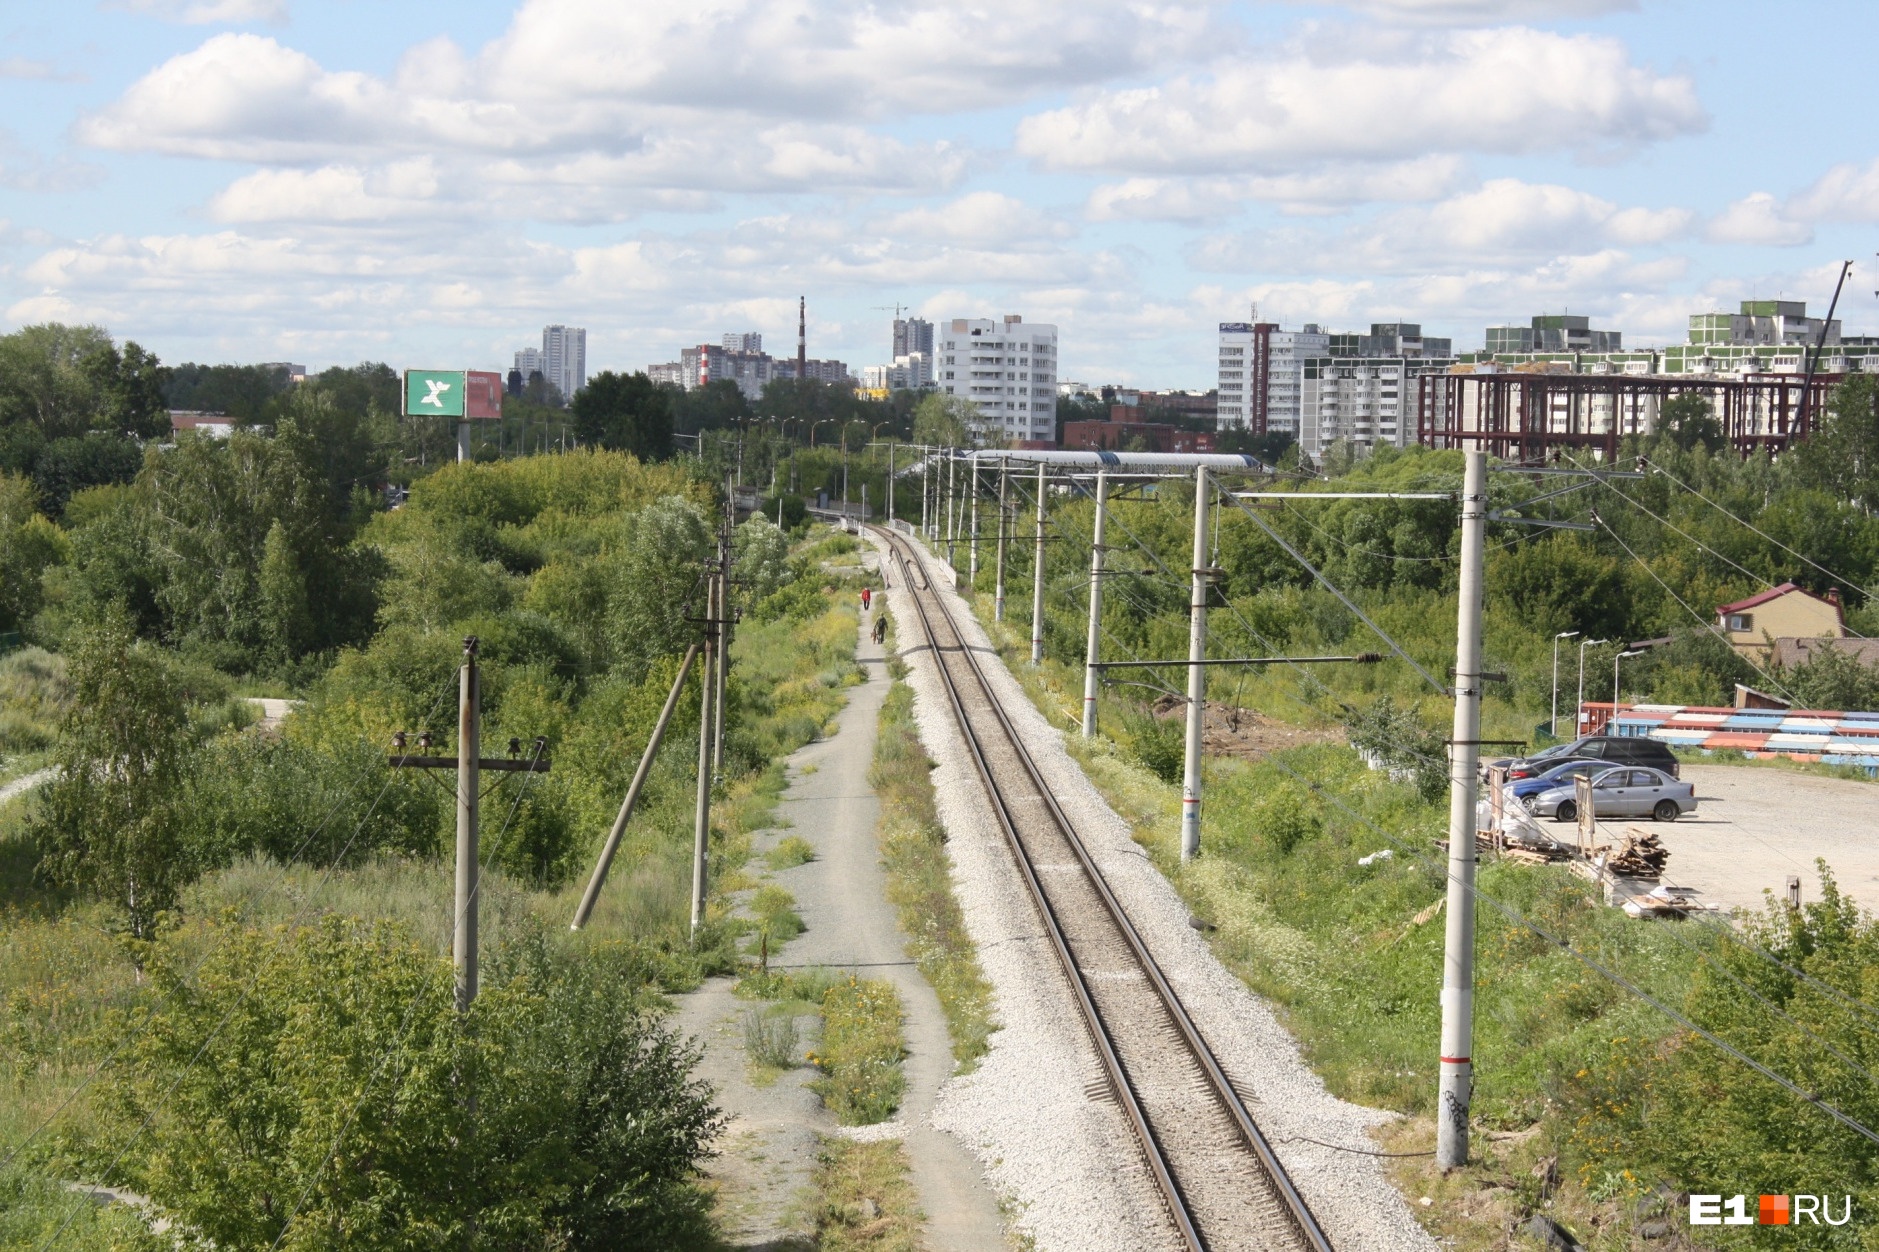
1764,534
410,1017
1701,620
1515,916
280,880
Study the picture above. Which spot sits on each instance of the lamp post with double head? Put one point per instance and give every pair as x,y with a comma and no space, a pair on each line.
1553,726
1621,656
1583,645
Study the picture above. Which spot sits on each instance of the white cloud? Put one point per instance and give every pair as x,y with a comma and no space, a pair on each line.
984,219
1485,12
1504,221
1331,190
1845,193
1511,90
26,68
595,75
208,12
1758,219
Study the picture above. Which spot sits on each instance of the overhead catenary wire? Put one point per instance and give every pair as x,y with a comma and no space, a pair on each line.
1518,918
1514,916
1701,620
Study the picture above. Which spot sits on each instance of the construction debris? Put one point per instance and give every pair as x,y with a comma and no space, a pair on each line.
1642,856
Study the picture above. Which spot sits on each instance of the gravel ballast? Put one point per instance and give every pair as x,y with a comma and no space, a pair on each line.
1066,1162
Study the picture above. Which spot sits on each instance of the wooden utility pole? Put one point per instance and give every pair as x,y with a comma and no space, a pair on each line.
701,824
612,845
469,766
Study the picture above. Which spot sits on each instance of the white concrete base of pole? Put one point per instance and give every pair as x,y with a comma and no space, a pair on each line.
463,441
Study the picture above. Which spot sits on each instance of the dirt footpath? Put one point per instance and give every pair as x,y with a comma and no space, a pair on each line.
1755,826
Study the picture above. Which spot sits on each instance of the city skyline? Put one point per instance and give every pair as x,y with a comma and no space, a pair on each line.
272,179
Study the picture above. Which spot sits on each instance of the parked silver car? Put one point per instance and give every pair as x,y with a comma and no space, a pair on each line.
1626,791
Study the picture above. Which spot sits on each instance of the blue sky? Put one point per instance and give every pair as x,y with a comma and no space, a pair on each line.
426,184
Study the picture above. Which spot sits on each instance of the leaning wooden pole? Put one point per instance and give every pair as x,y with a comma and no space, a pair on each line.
612,845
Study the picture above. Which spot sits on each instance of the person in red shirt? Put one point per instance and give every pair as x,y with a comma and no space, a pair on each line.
867,598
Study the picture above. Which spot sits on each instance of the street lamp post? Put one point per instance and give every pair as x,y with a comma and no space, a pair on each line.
1553,726
1621,656
1583,645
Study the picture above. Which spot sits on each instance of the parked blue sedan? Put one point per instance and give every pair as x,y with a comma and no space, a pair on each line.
1558,776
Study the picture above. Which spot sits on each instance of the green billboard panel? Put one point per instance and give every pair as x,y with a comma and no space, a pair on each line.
436,393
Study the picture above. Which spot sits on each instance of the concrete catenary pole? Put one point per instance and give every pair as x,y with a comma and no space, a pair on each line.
463,441
952,510
972,547
890,482
998,594
1457,1066
1037,576
701,822
469,789
1196,675
1093,652
612,846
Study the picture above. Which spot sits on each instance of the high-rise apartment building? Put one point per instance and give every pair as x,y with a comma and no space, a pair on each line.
1261,374
1554,332
912,335
745,341
530,362
1369,400
564,352
708,363
1761,323
1008,369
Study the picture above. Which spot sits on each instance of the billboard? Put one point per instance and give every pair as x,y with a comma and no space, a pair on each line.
482,396
434,393
467,395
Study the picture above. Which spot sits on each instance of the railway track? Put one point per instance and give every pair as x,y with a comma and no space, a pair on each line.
1223,1187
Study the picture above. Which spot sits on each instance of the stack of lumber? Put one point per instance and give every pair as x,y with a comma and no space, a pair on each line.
1642,855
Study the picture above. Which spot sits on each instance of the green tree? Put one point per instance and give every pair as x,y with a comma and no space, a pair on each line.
67,380
1841,456
714,406
624,413
29,546
109,822
760,561
1689,422
656,576
946,420
283,597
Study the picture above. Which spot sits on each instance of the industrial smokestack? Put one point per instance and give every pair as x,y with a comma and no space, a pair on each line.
802,338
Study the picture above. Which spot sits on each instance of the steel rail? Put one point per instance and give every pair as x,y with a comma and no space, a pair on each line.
1305,1227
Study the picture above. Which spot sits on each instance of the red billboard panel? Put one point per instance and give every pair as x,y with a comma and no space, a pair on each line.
482,396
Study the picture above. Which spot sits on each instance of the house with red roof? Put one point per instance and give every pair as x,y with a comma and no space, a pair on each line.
1756,625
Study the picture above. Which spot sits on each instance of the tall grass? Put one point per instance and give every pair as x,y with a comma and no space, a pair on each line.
919,878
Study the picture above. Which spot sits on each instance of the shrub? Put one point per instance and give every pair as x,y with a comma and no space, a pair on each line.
314,1082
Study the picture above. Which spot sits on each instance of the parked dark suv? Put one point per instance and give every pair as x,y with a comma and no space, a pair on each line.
1618,750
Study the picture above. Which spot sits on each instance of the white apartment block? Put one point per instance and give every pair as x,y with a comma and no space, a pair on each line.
1284,352
530,362
1007,368
1368,400
564,349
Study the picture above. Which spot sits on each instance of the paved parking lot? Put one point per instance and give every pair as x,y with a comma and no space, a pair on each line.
1753,827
